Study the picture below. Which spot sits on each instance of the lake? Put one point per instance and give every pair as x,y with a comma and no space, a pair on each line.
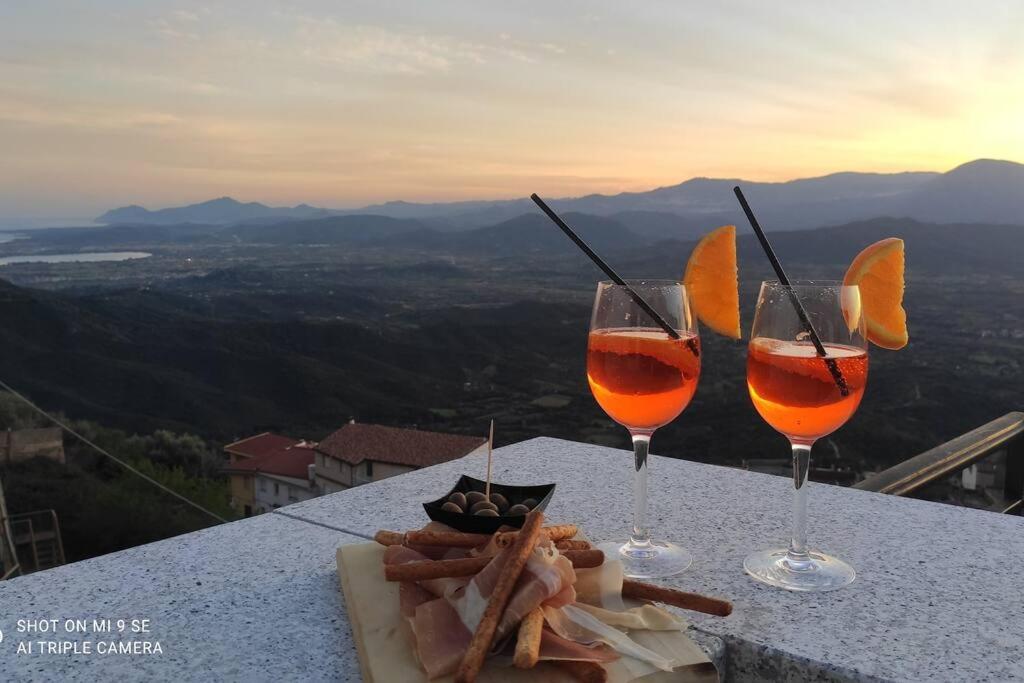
94,257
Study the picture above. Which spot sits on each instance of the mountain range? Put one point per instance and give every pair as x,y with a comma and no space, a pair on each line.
982,191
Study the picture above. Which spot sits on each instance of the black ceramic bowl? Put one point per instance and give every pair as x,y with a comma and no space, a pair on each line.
488,525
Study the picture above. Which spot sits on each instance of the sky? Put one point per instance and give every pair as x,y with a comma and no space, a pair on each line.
342,104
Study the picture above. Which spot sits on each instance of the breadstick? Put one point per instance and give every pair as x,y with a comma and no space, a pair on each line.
480,644
585,672
528,642
585,559
670,596
423,570
389,537
455,539
434,569
559,532
572,544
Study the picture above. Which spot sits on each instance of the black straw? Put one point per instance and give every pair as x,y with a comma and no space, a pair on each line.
833,367
612,275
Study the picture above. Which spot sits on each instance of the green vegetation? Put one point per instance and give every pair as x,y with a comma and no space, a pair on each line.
101,506
224,341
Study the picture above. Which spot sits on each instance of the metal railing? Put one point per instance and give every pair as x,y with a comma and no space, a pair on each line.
40,532
1004,435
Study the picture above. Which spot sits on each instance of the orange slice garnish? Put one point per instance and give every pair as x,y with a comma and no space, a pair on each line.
878,270
712,281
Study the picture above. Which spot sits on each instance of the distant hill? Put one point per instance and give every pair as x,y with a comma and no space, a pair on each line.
931,248
534,232
216,211
353,229
981,191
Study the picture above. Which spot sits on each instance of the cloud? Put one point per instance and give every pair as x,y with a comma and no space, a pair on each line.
371,49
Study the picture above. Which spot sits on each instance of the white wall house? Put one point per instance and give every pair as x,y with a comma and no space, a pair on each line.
361,453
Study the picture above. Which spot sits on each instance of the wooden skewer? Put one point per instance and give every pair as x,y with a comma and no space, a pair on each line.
490,448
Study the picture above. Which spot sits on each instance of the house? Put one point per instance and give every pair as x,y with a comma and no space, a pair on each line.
23,444
252,446
360,453
269,471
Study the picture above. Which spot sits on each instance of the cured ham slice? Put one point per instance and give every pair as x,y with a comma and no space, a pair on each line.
555,647
410,596
580,626
441,637
585,616
443,627
400,554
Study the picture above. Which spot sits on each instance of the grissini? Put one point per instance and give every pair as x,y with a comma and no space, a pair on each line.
676,598
572,544
585,559
453,539
424,570
385,537
528,641
558,532
480,644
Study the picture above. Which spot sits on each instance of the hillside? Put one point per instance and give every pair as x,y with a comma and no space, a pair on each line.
297,339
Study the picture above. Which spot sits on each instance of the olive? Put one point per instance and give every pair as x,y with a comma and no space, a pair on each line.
474,497
452,507
530,503
459,499
500,501
517,510
486,512
483,505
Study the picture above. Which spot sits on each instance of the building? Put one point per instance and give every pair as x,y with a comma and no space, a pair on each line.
24,444
360,453
253,446
269,471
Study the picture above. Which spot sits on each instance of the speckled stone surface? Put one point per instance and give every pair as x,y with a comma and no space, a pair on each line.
256,600
939,593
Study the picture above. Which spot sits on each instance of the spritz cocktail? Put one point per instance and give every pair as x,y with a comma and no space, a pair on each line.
643,375
807,366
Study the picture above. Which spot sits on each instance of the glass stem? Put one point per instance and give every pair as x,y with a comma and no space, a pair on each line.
641,536
797,556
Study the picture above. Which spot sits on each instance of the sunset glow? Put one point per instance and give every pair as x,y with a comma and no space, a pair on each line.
343,104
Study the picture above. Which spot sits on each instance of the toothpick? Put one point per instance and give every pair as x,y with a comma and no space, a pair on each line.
490,447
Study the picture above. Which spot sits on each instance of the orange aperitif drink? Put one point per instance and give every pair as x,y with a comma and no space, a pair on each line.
642,377
794,390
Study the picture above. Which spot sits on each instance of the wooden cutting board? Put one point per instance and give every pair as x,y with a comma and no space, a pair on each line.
386,654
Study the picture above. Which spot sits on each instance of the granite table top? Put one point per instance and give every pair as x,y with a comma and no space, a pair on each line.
939,593
937,597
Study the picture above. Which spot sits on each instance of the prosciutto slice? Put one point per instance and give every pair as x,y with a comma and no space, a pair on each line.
400,554
443,627
555,647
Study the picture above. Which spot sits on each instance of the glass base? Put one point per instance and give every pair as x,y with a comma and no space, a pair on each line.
815,574
653,560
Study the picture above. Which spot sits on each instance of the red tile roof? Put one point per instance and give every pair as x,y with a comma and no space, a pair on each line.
291,461
254,446
355,442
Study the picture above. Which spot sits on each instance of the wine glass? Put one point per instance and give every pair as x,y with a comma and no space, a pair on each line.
643,377
806,383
